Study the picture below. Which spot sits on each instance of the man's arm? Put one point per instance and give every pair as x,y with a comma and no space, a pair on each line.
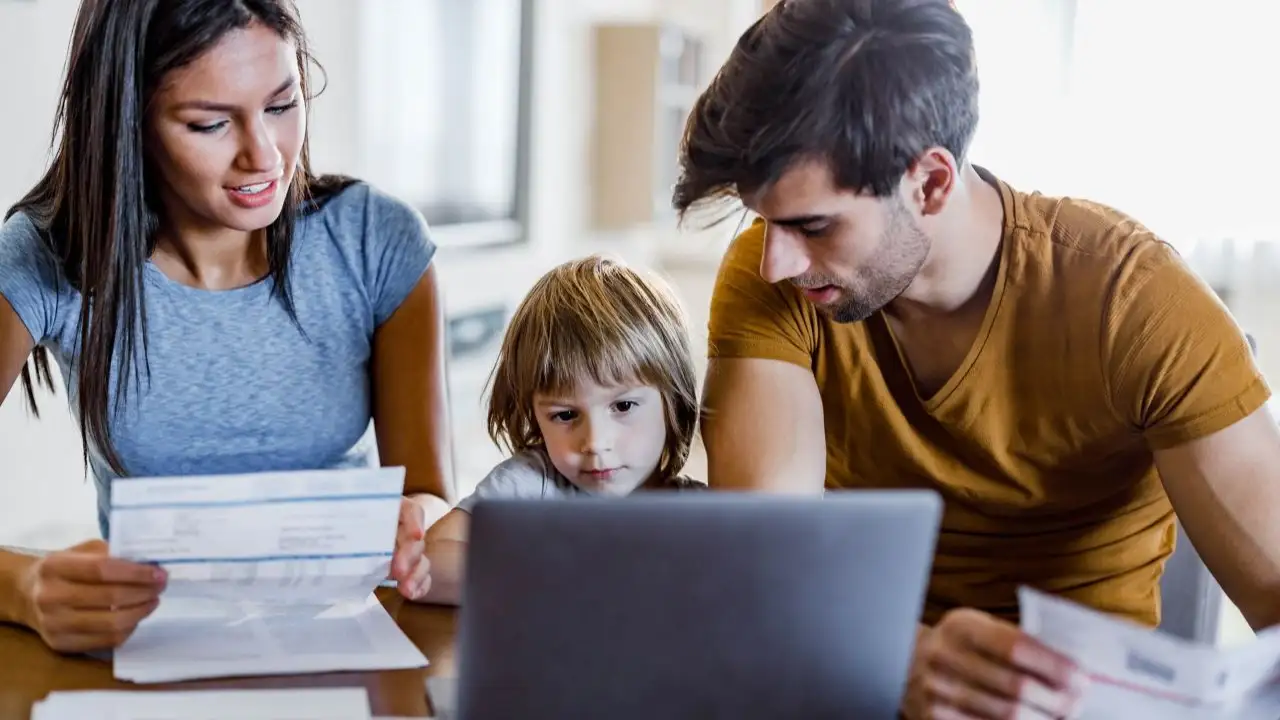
1225,488
762,419
1182,374
762,426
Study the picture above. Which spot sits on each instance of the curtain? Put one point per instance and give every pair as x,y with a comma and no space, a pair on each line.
1157,108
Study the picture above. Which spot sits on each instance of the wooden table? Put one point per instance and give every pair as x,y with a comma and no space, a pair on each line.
29,670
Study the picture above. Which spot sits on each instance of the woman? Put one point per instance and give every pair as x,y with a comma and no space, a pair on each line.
212,305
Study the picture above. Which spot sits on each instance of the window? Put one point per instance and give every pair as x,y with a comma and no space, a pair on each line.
444,90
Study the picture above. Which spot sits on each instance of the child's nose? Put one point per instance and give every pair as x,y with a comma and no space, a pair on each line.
597,437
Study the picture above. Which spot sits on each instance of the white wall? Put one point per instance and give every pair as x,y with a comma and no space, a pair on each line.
44,498
41,473
33,43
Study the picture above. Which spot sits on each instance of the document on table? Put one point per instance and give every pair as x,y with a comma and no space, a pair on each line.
1137,672
269,573
301,704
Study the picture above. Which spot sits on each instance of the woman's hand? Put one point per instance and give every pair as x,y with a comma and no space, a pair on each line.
82,599
409,566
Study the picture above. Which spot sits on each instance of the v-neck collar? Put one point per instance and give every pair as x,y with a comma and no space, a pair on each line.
938,401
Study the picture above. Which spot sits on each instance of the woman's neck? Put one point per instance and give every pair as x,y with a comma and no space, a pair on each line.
212,259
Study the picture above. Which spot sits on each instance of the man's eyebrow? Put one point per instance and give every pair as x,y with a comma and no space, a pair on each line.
799,220
221,107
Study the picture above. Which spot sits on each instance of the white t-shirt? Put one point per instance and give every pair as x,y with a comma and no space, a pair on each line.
529,475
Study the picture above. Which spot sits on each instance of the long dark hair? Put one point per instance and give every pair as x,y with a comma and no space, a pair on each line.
96,206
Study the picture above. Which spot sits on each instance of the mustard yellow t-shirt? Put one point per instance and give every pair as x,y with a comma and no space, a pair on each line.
1099,346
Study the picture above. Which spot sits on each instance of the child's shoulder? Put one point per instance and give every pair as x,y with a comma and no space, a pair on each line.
524,475
683,482
526,463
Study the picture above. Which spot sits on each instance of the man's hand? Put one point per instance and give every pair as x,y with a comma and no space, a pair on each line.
409,566
972,666
82,599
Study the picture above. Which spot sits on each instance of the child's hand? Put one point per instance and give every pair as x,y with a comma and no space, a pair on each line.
409,566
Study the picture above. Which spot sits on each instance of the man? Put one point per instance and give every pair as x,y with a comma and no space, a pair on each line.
900,318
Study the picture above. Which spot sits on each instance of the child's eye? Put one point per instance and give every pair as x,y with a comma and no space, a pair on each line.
625,405
563,416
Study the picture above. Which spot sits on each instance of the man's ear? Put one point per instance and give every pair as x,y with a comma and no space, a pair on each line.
931,180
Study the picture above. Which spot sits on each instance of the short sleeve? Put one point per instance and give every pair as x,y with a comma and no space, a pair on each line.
751,318
1178,364
397,248
520,477
29,277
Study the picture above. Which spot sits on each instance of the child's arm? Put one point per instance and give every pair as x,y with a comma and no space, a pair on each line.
522,476
446,550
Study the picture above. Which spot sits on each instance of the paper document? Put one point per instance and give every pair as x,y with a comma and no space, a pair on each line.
1137,672
443,693
302,704
269,573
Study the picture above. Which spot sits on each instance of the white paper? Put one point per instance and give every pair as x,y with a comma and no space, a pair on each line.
273,537
1139,672
443,692
189,639
269,573
302,704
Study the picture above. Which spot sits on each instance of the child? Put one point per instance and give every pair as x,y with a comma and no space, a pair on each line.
593,392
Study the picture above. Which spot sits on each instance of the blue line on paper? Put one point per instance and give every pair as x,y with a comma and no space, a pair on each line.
258,501
269,558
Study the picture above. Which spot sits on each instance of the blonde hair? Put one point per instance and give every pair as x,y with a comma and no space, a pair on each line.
595,319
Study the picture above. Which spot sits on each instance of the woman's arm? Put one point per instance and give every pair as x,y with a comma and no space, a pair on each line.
76,599
15,607
15,346
410,399
79,599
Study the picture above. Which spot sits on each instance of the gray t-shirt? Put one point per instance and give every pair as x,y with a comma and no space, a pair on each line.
529,475
234,385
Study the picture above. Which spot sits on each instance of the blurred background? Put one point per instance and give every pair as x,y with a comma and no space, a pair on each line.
532,131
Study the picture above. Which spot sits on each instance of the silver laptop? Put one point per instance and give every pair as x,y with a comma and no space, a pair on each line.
706,605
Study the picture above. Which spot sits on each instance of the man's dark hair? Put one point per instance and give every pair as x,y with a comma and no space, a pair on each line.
866,85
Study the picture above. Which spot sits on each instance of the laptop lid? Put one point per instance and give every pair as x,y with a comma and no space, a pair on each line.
708,605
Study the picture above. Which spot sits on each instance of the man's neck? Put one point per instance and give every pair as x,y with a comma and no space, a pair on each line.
966,246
